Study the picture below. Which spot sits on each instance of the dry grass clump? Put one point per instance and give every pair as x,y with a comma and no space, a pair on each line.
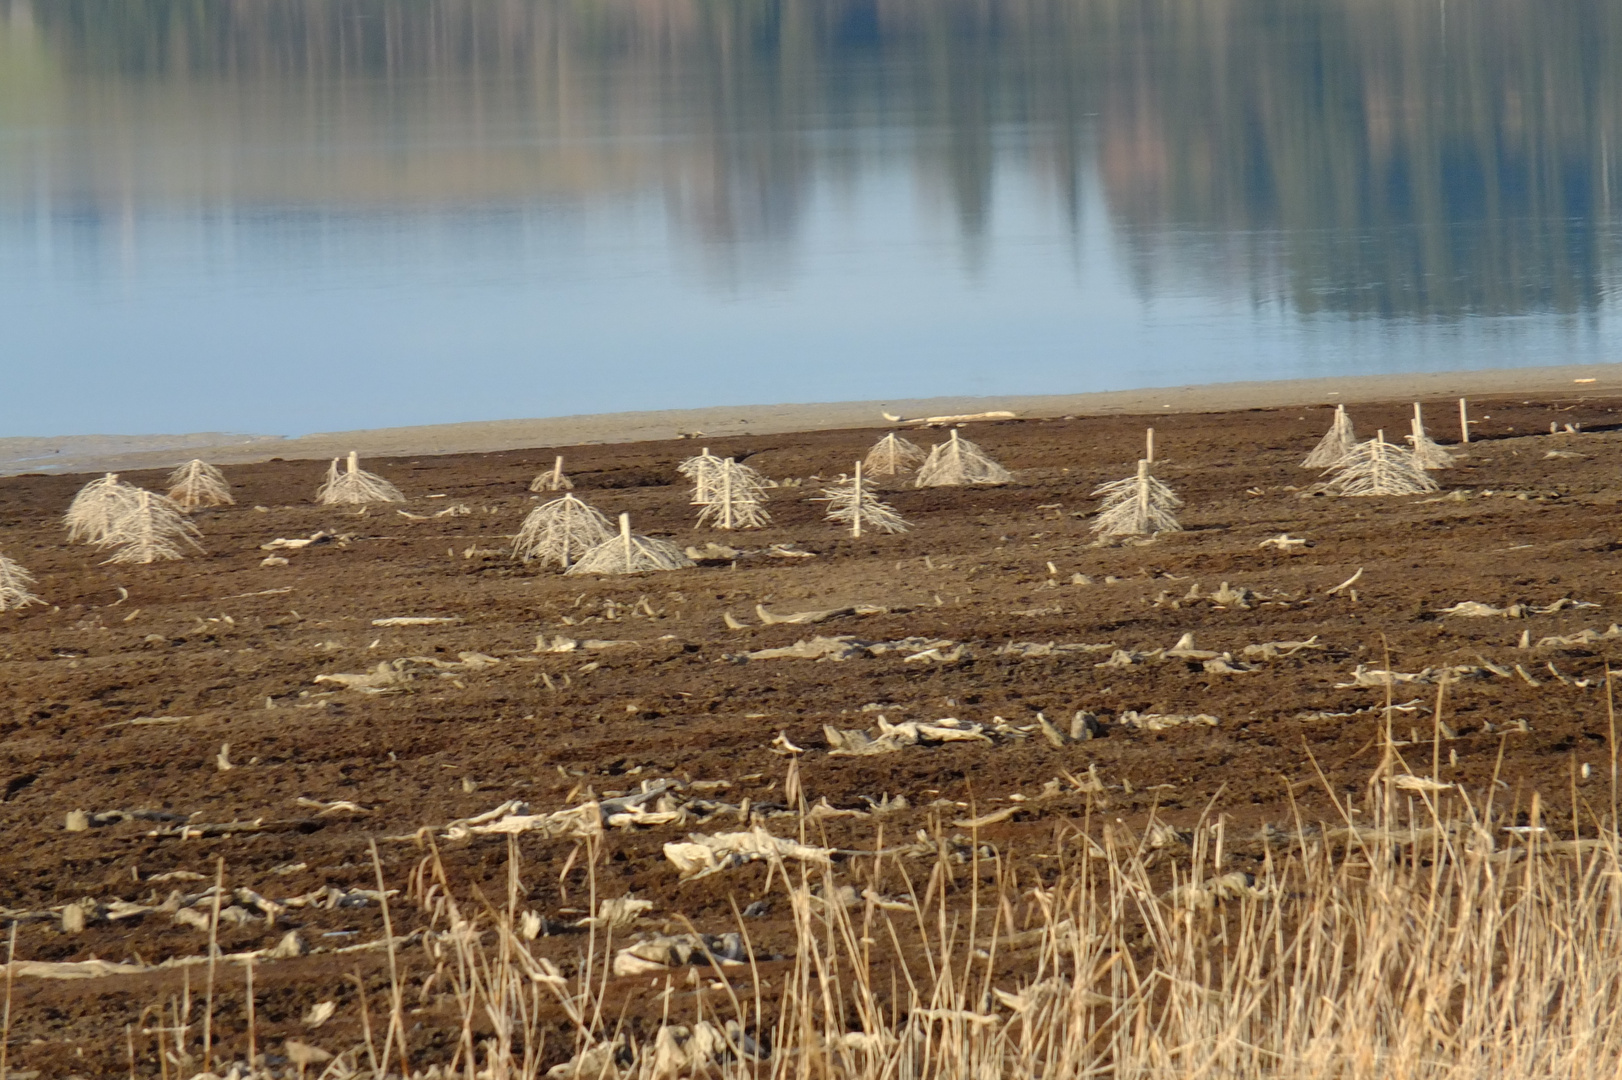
627,553
958,462
196,484
560,531
1377,467
355,486
1138,506
1336,443
892,456
15,585
96,507
151,529
1426,451
853,503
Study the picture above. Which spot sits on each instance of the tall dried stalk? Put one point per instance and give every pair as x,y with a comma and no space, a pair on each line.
152,529
853,503
196,484
1138,506
96,507
16,585
627,553
353,486
560,531
957,462
891,456
1336,443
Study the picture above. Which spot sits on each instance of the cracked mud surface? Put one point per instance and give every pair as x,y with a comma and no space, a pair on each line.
120,694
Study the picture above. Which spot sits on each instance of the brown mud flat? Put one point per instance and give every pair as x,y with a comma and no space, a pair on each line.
223,650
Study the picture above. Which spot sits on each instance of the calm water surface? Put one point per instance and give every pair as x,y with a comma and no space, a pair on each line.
297,215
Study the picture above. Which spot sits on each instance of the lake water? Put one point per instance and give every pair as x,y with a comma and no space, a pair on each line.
296,215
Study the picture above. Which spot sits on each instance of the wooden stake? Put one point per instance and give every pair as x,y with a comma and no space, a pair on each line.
213,951
557,471
1464,421
253,1029
856,518
354,462
625,534
1150,444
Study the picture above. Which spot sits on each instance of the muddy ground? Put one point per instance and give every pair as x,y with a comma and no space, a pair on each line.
132,687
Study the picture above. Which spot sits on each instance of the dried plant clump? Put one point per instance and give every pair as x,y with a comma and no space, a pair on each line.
736,494
892,456
1377,467
1138,506
853,503
97,506
1336,443
354,486
152,529
560,531
15,583
1426,450
958,462
704,470
196,484
627,553
552,479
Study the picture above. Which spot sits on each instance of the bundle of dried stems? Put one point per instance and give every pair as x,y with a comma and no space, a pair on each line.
853,503
628,553
1377,467
560,531
96,507
354,485
704,470
152,529
552,479
736,494
1426,450
196,484
957,462
1137,506
891,456
15,585
1336,443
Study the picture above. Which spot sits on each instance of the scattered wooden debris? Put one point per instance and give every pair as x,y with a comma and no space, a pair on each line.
659,954
703,855
890,738
418,620
1164,721
1286,543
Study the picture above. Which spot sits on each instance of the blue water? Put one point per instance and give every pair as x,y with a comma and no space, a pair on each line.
305,215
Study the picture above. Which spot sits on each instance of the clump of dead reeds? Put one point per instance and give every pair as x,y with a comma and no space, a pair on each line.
552,479
1377,467
736,495
151,529
1140,505
355,486
197,484
1336,443
854,504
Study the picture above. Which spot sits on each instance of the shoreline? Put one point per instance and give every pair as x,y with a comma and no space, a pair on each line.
87,453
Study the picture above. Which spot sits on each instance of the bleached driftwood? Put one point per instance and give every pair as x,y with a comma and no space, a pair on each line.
959,418
854,504
151,529
893,455
1336,443
96,507
957,462
1425,450
1138,506
1377,467
553,479
354,485
15,582
630,554
702,855
736,493
560,531
197,483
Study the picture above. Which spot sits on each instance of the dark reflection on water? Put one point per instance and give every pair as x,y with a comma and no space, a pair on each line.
1050,195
